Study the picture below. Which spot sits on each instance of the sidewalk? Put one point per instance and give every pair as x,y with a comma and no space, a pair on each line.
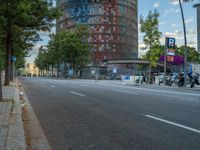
12,135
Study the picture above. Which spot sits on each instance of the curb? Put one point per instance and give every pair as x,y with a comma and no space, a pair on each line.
35,137
16,136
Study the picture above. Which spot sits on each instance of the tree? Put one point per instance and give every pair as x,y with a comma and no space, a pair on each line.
193,54
154,54
75,46
43,60
24,15
55,52
150,28
68,46
76,49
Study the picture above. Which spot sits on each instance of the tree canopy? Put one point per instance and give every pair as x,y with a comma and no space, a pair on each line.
20,20
151,38
67,46
150,28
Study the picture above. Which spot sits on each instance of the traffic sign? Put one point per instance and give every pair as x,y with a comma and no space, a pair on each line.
14,58
171,45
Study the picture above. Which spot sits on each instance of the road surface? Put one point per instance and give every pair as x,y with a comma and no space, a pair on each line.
107,115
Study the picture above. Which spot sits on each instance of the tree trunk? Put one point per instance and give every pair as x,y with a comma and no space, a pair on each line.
7,60
58,69
11,63
52,71
65,70
1,96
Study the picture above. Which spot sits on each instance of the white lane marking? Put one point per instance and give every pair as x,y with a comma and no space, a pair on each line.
84,85
173,123
125,91
152,90
77,93
53,86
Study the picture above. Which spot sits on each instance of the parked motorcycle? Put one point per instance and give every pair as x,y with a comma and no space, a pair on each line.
173,78
152,79
140,79
181,80
161,79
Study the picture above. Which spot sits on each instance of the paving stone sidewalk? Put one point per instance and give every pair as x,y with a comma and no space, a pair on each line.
11,126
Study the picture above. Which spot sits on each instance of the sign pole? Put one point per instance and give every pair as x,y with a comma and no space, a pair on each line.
165,63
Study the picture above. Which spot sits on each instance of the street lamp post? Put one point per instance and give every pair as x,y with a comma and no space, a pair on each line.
185,42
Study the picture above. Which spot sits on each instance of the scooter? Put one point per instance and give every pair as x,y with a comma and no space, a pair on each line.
140,79
181,80
161,79
173,78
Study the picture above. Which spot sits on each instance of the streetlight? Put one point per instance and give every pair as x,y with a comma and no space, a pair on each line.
185,42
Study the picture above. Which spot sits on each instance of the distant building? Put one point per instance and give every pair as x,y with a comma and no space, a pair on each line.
198,28
114,26
31,69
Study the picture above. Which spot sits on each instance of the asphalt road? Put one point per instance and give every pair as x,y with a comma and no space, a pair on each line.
107,115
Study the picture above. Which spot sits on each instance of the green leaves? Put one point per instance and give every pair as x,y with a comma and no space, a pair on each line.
150,28
67,46
154,54
192,56
20,20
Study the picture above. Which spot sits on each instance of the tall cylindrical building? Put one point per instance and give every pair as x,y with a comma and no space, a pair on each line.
114,26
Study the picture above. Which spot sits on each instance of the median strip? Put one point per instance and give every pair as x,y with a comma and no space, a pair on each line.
173,123
77,93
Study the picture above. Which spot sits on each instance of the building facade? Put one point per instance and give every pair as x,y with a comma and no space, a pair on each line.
198,28
113,24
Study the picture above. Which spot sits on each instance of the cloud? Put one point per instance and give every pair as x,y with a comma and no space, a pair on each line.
189,20
179,35
162,23
139,26
35,50
174,2
171,10
33,53
156,5
142,49
175,25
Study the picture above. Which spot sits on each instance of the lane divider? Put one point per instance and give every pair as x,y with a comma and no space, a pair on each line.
79,94
173,123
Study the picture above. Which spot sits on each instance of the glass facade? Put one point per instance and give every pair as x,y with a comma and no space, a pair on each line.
113,24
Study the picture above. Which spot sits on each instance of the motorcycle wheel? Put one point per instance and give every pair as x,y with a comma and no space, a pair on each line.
180,84
136,81
192,84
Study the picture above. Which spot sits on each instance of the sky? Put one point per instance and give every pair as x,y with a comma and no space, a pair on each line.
170,23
